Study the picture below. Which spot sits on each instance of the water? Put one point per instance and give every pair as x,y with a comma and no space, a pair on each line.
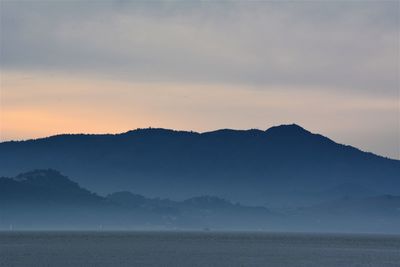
196,249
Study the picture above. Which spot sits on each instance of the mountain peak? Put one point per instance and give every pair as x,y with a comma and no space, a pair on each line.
287,129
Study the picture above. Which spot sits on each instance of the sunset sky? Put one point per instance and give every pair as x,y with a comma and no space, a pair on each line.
113,66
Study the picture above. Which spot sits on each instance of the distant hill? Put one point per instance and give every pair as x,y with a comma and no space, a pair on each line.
253,167
45,199
44,187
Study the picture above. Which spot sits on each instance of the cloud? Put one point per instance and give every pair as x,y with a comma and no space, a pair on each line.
348,46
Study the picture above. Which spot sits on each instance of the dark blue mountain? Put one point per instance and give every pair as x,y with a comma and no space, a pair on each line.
251,166
44,187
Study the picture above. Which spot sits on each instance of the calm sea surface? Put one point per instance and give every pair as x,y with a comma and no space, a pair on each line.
196,249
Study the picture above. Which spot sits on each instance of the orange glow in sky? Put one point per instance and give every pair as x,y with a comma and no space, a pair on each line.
36,105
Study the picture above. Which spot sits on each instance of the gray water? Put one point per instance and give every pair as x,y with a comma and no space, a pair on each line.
196,249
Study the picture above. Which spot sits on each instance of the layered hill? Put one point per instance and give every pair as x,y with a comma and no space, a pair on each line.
282,166
46,199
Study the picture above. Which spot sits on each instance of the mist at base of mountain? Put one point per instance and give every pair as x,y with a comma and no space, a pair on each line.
47,200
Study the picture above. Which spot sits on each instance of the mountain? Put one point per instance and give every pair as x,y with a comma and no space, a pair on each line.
254,167
46,199
44,186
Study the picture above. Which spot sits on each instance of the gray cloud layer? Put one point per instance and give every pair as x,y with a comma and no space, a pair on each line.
341,45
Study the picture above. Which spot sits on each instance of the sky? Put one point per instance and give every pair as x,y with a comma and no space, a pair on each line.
112,66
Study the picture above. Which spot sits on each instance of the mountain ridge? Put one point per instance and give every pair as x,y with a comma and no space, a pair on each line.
250,166
283,129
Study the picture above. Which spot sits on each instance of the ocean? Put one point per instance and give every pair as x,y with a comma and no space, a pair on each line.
196,249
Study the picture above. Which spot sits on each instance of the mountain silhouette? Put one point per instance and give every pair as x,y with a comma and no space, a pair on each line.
44,187
254,167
